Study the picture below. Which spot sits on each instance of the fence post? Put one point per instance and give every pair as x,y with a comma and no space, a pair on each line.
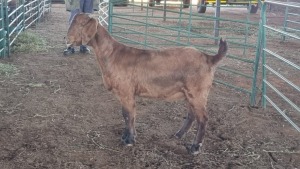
165,10
6,26
23,14
190,25
38,12
217,21
110,11
2,31
146,30
256,61
263,46
179,21
285,20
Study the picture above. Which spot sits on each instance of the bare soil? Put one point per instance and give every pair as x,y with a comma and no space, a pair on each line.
56,113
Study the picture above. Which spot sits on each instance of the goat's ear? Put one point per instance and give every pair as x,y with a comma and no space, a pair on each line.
89,31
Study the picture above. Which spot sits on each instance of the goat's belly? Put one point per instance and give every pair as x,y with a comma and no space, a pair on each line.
163,96
167,93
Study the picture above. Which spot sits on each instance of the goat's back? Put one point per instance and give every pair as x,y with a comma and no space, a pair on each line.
161,73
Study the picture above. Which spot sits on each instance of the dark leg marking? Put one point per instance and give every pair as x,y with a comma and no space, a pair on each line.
186,124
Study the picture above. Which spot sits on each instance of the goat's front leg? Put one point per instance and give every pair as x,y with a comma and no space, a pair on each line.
128,111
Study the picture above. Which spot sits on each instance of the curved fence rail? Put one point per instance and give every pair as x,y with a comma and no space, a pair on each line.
18,16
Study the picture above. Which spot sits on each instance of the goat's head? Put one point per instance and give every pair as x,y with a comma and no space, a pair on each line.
82,29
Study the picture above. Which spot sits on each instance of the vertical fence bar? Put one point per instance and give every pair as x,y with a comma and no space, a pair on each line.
110,15
263,39
23,15
146,26
247,28
2,31
165,9
179,21
257,58
286,13
6,25
190,25
38,11
217,21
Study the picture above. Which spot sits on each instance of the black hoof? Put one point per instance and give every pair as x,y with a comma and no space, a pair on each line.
178,135
195,149
127,139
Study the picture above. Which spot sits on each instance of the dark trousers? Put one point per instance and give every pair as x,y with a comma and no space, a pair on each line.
72,15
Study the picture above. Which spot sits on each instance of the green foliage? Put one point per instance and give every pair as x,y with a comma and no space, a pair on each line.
29,42
8,69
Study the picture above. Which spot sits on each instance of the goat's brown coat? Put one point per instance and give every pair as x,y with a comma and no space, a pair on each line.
168,74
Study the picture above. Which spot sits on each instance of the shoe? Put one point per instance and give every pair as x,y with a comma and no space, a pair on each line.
84,49
69,51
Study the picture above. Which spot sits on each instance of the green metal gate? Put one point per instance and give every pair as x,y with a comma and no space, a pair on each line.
13,22
281,71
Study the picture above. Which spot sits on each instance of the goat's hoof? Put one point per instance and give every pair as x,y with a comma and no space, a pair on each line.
195,149
178,135
128,140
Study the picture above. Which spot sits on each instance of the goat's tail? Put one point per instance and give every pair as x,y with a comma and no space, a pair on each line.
221,53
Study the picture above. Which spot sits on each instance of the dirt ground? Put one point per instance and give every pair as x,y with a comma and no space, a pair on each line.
55,113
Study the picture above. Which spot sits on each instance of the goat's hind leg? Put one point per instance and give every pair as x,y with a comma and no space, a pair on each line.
202,118
126,119
186,124
198,101
128,111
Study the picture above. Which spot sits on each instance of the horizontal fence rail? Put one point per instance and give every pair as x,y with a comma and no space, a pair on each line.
157,27
18,17
281,71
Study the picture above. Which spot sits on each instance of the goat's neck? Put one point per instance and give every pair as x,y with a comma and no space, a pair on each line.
103,45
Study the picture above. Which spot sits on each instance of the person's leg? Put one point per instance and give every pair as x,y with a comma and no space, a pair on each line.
71,50
83,48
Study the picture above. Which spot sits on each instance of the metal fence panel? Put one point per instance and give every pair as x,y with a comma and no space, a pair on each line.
18,17
281,66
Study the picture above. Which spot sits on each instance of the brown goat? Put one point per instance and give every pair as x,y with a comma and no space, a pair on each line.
170,74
